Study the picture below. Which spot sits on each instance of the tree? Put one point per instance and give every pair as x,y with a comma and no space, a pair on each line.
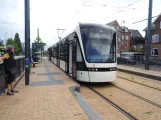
38,39
41,46
18,42
10,41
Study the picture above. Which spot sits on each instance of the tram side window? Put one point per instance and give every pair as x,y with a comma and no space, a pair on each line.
79,55
61,52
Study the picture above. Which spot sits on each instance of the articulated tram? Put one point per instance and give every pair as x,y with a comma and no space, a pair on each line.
88,54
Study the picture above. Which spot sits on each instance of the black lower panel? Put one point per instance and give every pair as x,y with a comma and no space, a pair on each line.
82,67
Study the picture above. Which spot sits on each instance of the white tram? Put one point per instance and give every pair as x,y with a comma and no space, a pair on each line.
88,54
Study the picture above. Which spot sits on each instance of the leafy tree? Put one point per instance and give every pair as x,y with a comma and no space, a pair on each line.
38,39
18,42
41,46
10,41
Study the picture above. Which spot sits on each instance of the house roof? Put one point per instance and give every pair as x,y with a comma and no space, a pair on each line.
145,29
112,23
135,33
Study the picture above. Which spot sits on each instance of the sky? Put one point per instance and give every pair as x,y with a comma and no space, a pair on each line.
48,15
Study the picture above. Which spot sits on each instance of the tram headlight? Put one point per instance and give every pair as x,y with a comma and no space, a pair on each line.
112,69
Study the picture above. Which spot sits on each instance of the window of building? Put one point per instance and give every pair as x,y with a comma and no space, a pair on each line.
141,46
127,37
122,37
153,26
135,46
160,24
155,38
126,29
125,44
154,51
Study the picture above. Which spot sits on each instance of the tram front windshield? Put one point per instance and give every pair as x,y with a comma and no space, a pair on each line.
99,44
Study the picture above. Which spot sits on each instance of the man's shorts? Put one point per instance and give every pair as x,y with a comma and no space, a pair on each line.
10,76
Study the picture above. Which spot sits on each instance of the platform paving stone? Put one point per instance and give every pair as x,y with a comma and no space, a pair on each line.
43,102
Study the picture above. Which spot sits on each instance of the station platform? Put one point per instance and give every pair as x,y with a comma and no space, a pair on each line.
151,74
51,95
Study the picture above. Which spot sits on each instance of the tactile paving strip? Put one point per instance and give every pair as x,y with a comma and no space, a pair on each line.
51,73
47,83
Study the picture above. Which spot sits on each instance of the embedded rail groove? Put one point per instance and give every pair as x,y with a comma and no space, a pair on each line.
140,83
135,95
131,117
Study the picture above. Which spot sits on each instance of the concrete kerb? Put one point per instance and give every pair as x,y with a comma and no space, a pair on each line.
158,78
89,111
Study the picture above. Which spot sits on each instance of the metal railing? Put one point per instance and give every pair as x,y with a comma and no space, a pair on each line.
20,66
139,63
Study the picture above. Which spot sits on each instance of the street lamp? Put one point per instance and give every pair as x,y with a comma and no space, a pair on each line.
5,41
59,37
148,35
122,21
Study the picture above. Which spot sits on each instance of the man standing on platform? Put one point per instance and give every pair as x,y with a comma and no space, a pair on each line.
9,66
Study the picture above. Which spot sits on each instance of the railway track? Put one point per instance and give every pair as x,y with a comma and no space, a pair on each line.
131,117
118,106
140,83
135,95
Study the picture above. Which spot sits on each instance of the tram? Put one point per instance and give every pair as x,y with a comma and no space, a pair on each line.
88,54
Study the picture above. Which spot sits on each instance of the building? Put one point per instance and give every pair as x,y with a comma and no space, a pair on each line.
128,40
137,41
116,25
155,42
126,43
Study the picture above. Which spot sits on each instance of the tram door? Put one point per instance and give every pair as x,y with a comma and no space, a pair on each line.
70,59
74,59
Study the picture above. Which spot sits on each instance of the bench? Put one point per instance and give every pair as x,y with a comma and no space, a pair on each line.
33,63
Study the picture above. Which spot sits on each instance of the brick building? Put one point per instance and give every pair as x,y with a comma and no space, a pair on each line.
137,41
155,43
128,40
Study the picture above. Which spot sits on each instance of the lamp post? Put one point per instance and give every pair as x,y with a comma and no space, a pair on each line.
5,41
122,21
59,37
148,35
27,41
